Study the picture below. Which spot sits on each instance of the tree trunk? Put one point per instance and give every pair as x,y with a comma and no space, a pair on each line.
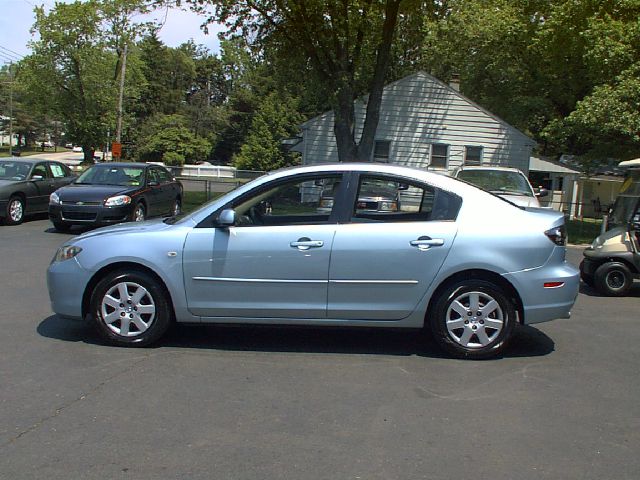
344,123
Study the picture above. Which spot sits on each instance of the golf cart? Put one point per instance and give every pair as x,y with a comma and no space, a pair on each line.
613,260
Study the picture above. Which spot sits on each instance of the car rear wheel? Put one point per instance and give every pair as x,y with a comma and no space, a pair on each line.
613,279
15,210
473,319
139,213
130,308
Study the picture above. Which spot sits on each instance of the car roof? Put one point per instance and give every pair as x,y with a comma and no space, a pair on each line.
489,167
124,164
28,161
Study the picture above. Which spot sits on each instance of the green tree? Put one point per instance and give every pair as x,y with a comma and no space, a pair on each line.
72,72
346,45
167,138
277,118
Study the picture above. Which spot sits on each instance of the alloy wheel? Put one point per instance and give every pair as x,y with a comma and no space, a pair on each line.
474,319
128,309
16,210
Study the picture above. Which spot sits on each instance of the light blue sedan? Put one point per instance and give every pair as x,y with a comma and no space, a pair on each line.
446,255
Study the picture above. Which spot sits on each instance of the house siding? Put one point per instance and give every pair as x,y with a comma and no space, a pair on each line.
419,111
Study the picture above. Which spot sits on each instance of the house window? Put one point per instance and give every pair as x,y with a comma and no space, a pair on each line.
472,155
381,151
439,155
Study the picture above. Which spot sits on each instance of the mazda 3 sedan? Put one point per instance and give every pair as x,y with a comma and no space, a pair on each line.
111,193
453,258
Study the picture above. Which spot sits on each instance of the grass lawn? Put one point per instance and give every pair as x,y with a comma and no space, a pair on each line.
583,231
25,152
193,200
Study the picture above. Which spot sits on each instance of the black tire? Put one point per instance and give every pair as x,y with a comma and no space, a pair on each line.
477,336
61,226
139,213
613,279
14,214
585,277
177,207
122,321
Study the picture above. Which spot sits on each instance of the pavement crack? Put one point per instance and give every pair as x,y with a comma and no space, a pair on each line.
58,411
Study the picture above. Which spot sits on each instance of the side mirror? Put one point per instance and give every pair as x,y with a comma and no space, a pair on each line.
153,183
403,186
227,218
543,192
37,178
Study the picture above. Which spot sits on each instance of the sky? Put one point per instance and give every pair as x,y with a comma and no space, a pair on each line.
16,19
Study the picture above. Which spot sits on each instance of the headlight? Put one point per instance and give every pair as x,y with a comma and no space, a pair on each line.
54,199
117,201
66,252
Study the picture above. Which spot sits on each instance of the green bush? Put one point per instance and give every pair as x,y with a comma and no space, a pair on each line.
173,159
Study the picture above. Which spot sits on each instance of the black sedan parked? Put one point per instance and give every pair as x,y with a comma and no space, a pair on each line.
25,186
116,192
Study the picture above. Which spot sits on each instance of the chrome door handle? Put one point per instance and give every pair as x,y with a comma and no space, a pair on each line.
306,244
425,243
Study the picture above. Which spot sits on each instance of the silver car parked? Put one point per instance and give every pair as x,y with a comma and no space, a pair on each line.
451,257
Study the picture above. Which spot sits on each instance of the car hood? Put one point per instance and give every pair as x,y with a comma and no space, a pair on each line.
91,193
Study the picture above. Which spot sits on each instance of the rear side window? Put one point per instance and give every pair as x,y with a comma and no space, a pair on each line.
382,199
58,171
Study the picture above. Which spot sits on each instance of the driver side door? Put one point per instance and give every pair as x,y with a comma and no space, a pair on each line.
273,263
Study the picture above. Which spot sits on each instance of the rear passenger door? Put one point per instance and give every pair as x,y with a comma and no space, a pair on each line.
385,257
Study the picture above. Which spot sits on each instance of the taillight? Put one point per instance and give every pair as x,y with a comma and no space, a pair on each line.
557,235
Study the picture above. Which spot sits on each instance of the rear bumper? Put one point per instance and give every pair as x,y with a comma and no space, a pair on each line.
540,303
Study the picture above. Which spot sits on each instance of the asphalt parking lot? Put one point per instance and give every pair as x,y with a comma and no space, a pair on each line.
252,403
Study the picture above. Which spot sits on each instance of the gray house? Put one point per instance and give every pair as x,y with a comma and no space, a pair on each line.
428,124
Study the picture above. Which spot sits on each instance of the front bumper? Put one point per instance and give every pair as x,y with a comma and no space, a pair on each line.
66,282
89,214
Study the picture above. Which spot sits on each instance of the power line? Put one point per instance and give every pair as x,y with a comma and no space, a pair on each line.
10,53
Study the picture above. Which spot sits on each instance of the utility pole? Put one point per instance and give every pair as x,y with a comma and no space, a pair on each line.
123,70
10,110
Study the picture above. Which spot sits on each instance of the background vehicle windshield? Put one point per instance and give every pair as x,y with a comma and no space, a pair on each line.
13,170
498,181
624,209
112,175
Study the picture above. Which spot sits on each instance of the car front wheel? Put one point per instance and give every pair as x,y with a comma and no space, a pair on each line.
130,308
15,211
473,319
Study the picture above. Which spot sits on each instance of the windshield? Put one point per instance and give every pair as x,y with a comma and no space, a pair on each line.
112,175
624,208
13,170
498,181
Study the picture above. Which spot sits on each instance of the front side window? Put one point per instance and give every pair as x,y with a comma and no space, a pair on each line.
385,199
439,155
300,201
40,169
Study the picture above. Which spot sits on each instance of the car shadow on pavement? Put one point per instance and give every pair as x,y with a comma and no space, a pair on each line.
527,341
